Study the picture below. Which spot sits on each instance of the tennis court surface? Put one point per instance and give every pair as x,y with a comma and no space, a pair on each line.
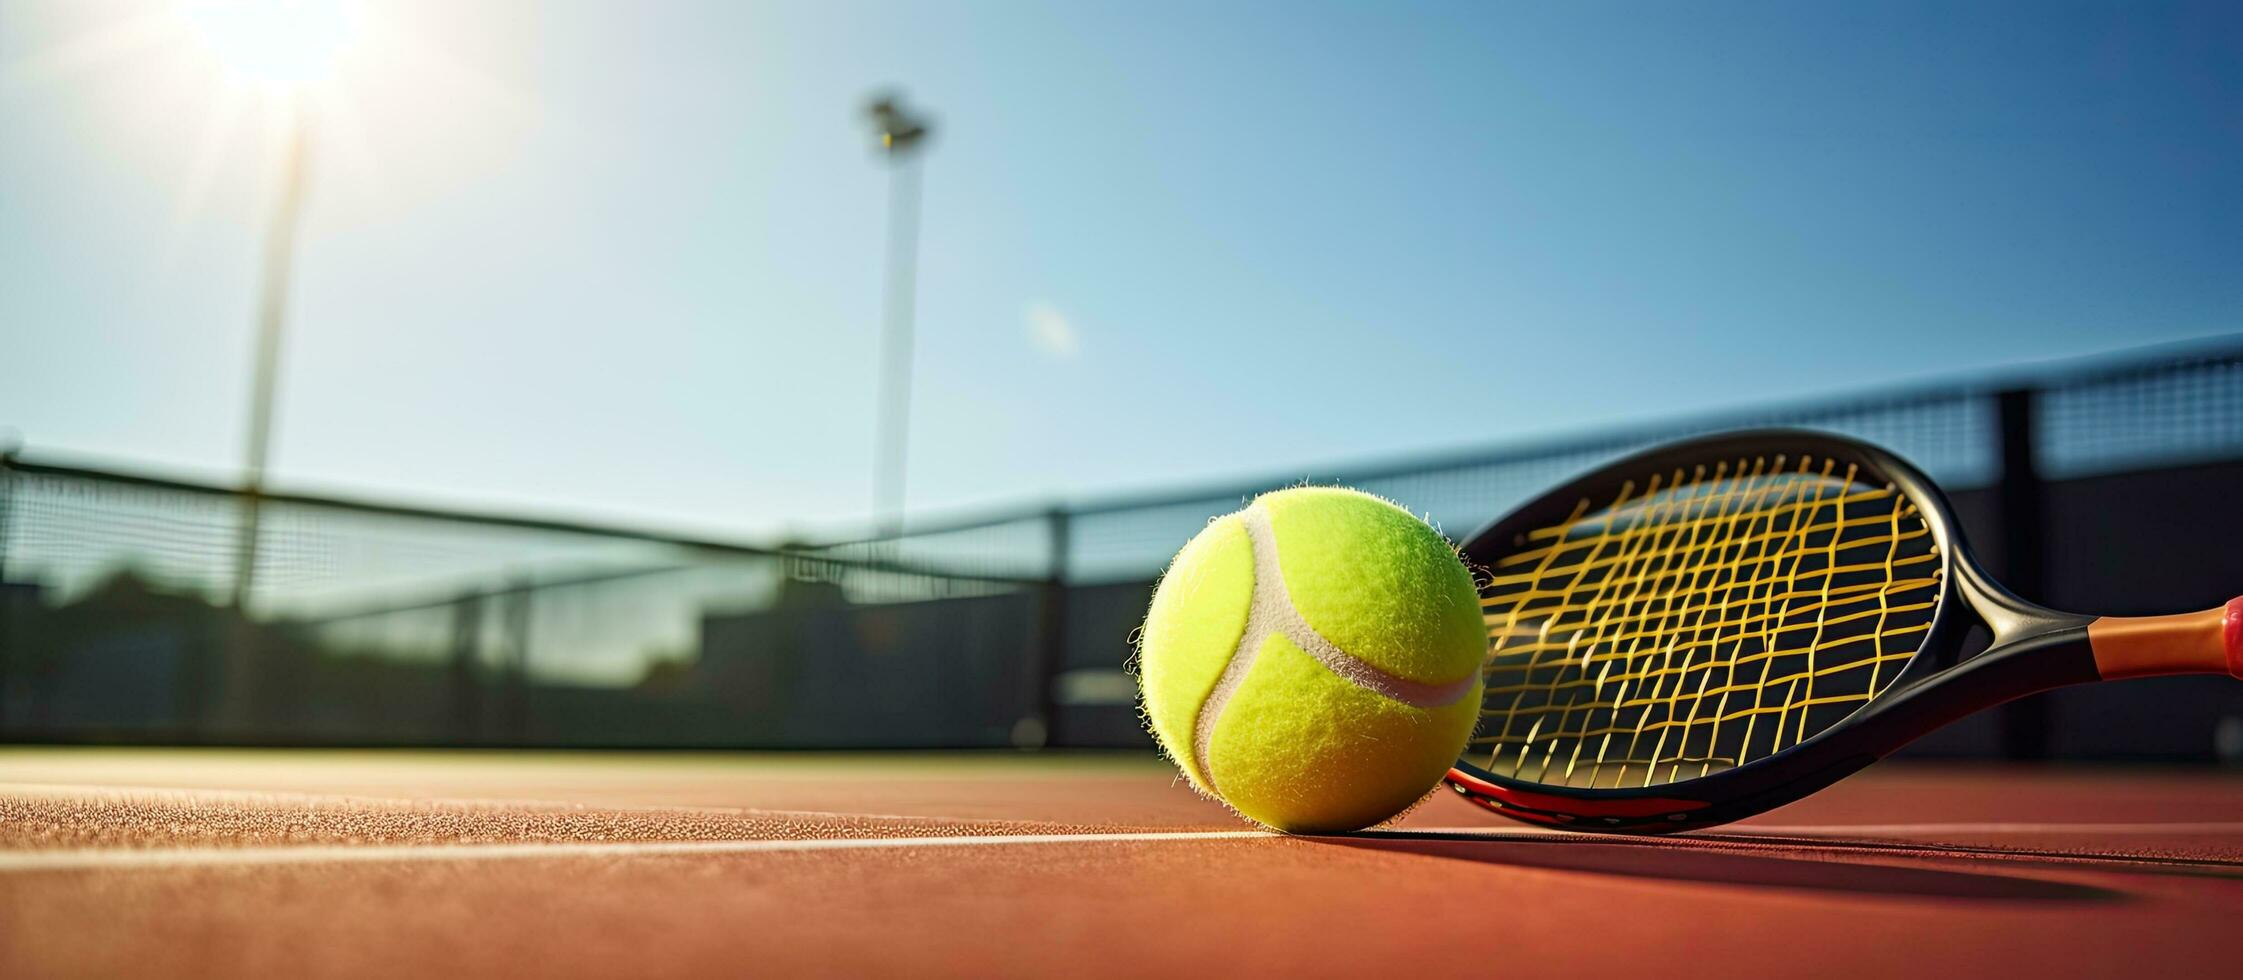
186,862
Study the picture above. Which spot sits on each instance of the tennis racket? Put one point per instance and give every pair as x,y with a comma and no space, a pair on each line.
1715,628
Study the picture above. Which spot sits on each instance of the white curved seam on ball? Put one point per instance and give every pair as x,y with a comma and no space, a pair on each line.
1271,611
1250,641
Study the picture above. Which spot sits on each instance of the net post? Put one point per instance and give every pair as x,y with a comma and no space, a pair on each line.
7,504
230,694
1042,727
466,673
7,593
514,713
2022,514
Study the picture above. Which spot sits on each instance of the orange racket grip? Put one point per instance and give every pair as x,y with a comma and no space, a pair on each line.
2208,642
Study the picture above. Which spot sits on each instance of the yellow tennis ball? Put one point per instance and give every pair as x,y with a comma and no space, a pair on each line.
1314,659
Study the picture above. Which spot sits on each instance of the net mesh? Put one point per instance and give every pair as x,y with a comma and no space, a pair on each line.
1699,619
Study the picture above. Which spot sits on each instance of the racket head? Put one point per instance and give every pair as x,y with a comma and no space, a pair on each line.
1759,598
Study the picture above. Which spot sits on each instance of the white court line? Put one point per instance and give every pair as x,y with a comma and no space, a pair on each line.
159,859
102,792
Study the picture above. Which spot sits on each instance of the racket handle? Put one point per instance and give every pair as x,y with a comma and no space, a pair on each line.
2208,642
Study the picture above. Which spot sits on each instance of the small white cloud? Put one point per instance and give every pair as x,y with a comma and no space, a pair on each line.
1051,332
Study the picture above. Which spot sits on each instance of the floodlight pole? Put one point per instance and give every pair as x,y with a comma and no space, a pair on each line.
900,136
272,316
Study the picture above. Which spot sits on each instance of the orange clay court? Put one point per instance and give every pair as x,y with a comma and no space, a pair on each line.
209,863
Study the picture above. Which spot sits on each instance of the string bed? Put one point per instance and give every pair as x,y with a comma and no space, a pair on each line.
1698,620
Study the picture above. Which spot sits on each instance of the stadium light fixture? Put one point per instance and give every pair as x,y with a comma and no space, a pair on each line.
900,135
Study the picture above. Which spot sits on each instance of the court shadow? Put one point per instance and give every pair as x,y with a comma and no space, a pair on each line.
2149,864
1651,858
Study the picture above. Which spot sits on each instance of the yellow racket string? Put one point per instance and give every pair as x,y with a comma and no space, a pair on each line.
1699,620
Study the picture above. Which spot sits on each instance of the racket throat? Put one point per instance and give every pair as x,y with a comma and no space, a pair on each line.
2011,619
2051,654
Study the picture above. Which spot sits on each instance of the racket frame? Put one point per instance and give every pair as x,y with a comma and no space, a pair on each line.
2030,649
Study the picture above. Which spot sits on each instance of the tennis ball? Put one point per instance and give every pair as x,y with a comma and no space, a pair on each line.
1314,660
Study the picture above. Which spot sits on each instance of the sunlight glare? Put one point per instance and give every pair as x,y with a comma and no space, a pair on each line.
275,41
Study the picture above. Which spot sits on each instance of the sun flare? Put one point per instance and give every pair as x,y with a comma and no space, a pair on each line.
280,42
226,84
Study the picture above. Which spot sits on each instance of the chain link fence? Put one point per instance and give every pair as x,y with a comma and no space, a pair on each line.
139,609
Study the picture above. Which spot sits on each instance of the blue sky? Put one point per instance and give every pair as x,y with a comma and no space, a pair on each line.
624,260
